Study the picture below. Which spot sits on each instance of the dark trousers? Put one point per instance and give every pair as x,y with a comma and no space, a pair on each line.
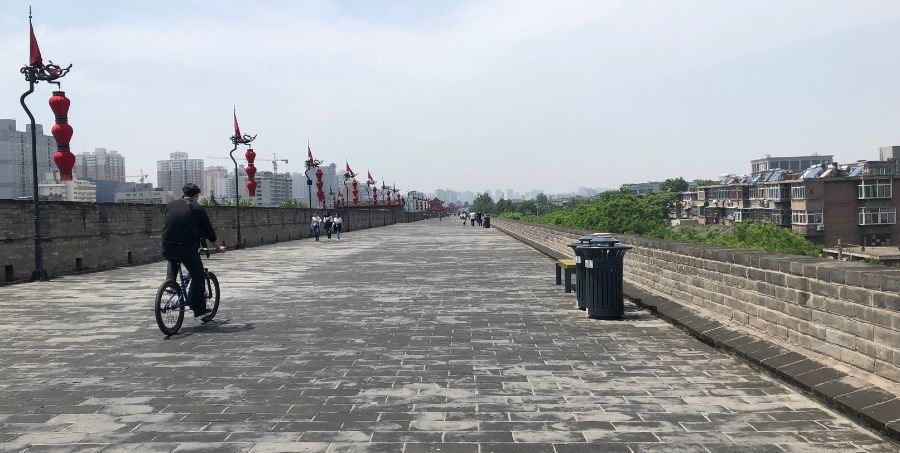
190,259
315,231
473,222
328,232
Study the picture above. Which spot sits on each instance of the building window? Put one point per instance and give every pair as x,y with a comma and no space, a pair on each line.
874,188
806,217
877,216
798,191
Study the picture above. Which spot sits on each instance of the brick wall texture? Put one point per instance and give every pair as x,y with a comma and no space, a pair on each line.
94,236
847,311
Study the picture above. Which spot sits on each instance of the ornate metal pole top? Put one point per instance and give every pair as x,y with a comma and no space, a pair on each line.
36,71
238,138
311,162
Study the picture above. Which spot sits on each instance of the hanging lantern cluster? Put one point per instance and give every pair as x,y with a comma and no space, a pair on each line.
398,199
355,193
320,194
374,196
62,133
251,171
387,198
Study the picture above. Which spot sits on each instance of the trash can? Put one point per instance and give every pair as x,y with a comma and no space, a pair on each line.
579,270
487,221
603,269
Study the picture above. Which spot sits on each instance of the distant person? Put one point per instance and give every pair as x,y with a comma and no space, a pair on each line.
338,225
478,218
472,218
314,226
464,217
329,225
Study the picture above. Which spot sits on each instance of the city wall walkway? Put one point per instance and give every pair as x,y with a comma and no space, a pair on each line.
416,337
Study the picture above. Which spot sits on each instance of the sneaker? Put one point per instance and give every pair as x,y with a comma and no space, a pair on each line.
205,311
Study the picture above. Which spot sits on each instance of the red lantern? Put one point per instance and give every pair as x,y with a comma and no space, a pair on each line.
251,171
374,196
319,193
250,155
387,198
251,187
62,133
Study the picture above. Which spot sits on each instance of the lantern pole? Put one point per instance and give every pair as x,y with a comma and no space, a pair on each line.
310,164
35,72
236,140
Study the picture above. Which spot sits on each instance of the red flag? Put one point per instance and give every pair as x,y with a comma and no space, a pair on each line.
237,129
35,58
349,170
370,177
309,152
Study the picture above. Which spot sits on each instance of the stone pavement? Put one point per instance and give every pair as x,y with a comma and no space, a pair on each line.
417,337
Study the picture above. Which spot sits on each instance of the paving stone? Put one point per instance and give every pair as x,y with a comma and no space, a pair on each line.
420,337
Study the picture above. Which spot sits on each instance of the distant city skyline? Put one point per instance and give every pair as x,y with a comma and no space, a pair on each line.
472,94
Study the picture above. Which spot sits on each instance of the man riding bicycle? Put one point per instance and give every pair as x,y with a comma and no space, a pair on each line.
187,224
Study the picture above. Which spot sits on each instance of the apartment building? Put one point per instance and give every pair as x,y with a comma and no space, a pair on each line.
825,203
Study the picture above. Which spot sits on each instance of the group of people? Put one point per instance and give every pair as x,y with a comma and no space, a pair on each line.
473,217
331,223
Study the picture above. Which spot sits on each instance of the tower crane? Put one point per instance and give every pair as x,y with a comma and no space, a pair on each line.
141,177
274,161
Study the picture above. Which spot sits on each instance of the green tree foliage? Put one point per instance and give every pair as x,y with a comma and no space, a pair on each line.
293,203
674,185
703,182
542,204
484,203
625,213
504,205
247,203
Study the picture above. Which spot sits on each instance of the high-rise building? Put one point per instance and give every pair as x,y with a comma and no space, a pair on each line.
145,194
15,159
510,194
173,174
100,165
215,182
272,189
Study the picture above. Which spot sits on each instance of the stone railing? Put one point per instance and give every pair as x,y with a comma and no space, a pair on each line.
82,237
846,311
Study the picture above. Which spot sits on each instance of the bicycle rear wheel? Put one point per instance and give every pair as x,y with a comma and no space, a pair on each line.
168,308
212,296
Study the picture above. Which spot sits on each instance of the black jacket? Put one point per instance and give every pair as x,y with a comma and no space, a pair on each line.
186,224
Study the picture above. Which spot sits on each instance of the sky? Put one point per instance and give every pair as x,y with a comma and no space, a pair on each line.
471,95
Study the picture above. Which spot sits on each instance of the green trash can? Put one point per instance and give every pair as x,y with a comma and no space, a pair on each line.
603,272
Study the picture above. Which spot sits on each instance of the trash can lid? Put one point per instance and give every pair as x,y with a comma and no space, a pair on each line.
607,241
587,238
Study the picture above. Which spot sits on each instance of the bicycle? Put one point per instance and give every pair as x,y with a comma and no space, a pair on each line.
172,298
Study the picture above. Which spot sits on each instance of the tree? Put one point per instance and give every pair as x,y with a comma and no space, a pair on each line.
293,203
542,204
504,205
484,203
674,185
703,182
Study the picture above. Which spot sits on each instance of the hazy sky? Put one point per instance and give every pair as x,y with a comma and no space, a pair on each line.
472,95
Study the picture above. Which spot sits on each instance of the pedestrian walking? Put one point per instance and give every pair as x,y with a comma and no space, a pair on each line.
472,218
338,225
464,217
329,225
478,218
314,226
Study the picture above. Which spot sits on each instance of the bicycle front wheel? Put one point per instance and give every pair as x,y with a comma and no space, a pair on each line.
212,296
169,308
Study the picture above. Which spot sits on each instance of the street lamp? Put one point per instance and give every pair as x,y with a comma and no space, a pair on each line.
238,139
348,175
36,71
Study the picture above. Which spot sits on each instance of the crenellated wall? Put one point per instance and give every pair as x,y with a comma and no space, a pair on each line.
844,310
92,236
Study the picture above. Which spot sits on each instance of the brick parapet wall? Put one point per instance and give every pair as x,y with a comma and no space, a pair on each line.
847,311
105,235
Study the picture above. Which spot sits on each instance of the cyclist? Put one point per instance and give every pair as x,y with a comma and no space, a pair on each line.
186,225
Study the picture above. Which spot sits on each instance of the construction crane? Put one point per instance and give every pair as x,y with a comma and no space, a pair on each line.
141,177
274,161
